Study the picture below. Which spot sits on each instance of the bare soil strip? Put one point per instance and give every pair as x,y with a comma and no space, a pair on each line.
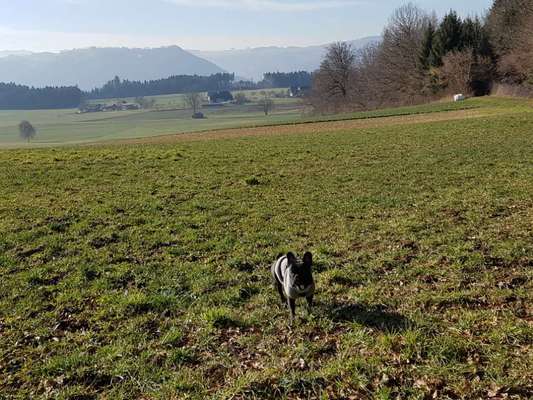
307,128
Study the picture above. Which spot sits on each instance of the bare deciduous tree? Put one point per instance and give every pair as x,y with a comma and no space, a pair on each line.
510,24
267,104
388,73
338,67
461,70
27,131
505,21
240,99
332,82
401,75
524,48
456,71
194,101
367,92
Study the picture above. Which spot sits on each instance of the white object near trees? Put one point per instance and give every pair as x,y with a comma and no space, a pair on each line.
459,97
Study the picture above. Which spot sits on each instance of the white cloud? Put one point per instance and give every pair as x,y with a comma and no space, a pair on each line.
269,5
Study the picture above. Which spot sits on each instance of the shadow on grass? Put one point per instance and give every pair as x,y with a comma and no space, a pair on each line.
373,316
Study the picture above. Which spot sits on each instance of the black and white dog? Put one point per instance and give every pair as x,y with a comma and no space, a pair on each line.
294,279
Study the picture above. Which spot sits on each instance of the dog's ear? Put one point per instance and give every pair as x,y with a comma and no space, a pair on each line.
308,259
291,258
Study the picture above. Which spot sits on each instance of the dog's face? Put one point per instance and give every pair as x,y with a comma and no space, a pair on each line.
301,270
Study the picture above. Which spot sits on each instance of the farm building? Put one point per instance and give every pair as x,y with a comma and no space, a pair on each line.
92,108
298,91
223,96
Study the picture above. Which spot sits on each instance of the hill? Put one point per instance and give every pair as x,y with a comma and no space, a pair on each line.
93,67
254,62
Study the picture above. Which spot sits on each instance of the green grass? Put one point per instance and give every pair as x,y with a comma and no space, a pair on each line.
60,127
143,271
66,127
173,101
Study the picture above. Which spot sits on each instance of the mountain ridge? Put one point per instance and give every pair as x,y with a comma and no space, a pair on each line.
252,63
94,66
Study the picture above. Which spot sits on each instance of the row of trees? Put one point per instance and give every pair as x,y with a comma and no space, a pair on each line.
13,96
20,97
421,58
286,79
117,88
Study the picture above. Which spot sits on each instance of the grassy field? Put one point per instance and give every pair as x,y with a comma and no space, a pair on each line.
66,127
142,270
173,101
60,127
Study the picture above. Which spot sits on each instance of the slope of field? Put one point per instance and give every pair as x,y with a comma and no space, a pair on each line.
142,270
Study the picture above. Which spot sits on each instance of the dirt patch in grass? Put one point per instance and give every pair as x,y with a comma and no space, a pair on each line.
308,128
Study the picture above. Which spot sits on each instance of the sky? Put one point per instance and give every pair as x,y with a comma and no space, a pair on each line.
53,25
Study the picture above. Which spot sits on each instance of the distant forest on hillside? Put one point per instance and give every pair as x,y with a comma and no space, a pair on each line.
20,97
118,88
13,96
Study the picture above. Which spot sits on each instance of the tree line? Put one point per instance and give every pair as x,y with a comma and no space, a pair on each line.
117,88
286,80
422,58
20,97
13,96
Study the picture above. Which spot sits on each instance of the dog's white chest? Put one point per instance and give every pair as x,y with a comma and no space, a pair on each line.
293,292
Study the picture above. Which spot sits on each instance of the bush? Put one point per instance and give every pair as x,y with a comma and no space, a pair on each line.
27,131
240,99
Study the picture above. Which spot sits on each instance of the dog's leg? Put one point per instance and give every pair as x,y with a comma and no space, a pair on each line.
280,291
292,308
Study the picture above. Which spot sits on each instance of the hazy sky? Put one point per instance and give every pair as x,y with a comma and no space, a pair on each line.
48,25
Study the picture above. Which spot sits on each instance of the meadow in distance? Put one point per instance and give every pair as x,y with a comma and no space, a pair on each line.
169,115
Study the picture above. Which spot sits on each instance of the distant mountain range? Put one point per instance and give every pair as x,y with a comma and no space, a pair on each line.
5,53
93,67
254,62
